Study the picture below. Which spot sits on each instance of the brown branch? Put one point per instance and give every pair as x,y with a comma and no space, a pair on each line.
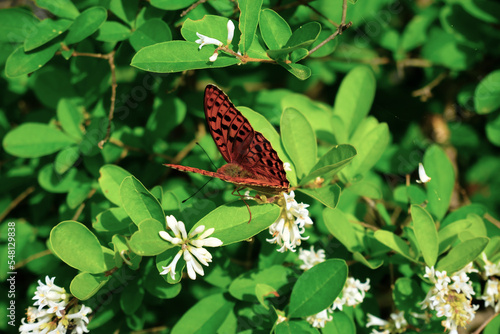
150,330
305,3
426,92
489,218
32,258
111,60
193,6
16,202
477,331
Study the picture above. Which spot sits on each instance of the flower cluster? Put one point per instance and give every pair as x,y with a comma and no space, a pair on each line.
451,297
352,294
191,247
288,229
310,257
205,40
396,324
55,313
491,294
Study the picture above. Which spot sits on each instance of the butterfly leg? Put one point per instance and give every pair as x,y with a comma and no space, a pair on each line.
237,190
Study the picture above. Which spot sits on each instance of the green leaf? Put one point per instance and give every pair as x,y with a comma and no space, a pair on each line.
20,62
132,297
210,313
439,189
449,233
79,248
487,93
327,195
33,140
341,228
61,8
66,158
157,286
53,182
17,24
231,221
165,259
152,32
70,117
274,29
178,56
86,24
415,32
493,130
407,295
112,220
340,324
295,326
394,242
355,97
78,193
331,162
366,189
243,287
426,234
46,31
299,141
85,285
370,263
111,177
463,253
171,4
303,37
147,241
112,31
138,202
441,48
370,147
249,18
317,288
302,72
262,291
126,10
482,9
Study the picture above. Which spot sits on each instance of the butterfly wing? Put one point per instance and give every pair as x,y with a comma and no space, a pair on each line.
239,143
230,130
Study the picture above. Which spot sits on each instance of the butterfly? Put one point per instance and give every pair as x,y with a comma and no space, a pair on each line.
251,160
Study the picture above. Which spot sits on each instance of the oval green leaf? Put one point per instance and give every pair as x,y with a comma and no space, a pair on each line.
138,202
426,234
86,24
79,248
462,254
317,288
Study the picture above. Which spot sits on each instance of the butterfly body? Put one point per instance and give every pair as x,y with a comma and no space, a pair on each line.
252,162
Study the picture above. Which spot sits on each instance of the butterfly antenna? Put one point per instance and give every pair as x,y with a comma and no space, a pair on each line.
197,191
207,156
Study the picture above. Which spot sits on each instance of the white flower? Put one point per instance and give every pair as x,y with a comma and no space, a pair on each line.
230,31
310,257
286,167
399,319
191,247
491,295
375,321
319,320
422,175
205,40
451,300
214,57
490,268
288,229
54,316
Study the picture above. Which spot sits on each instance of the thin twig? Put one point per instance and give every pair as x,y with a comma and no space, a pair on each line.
32,258
426,92
16,202
305,3
150,330
111,60
477,331
291,5
492,220
193,6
